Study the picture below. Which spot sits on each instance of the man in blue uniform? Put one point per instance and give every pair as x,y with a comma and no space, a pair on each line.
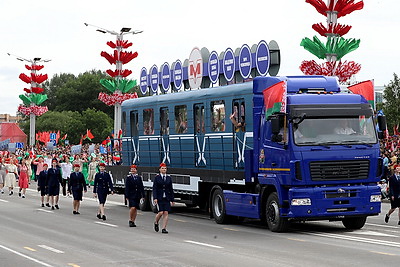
101,188
134,191
394,193
76,185
53,182
41,184
163,195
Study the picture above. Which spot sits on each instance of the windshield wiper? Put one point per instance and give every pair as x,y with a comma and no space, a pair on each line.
337,143
359,143
314,143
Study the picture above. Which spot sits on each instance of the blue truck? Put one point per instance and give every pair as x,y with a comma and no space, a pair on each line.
318,160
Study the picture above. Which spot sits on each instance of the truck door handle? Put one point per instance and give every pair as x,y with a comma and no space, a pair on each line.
273,164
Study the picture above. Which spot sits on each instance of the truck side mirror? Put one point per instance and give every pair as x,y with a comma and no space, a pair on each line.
382,123
275,125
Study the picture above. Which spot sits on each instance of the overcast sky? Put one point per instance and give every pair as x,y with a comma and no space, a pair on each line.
55,30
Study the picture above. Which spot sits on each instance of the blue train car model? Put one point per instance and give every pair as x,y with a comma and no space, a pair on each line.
318,161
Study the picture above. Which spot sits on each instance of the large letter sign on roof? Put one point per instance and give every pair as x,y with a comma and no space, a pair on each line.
195,68
229,64
177,74
154,79
143,81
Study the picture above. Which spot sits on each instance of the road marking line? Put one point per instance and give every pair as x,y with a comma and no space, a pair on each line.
383,253
178,220
380,225
231,229
73,265
371,233
296,239
48,211
357,239
28,248
2,200
26,256
51,249
107,224
202,244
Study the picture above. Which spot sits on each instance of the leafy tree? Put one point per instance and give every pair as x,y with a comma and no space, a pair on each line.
391,106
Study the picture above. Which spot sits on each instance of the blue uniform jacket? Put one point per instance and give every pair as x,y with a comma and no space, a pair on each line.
76,182
102,183
134,187
394,186
54,177
160,186
41,182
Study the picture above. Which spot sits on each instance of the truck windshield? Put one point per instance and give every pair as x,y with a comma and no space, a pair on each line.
335,131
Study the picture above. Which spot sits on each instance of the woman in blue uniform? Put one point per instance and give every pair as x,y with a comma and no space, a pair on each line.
76,185
53,182
163,195
134,191
102,187
41,184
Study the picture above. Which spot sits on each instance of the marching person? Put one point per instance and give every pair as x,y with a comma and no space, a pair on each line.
101,188
163,195
23,180
12,173
53,182
66,169
76,185
2,174
134,191
394,189
41,185
92,170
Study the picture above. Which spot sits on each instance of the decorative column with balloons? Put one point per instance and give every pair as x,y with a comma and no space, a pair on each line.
336,47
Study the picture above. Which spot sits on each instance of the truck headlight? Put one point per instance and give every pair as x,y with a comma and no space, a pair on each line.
301,202
375,198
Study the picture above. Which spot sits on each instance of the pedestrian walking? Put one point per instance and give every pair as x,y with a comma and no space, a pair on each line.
23,181
163,195
92,170
39,162
76,186
12,173
102,187
134,192
41,185
66,169
53,182
394,193
2,174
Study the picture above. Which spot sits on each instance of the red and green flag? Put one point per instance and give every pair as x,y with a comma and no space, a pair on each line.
275,99
366,89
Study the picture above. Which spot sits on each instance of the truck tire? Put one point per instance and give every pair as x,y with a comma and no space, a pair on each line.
274,220
218,207
354,223
144,204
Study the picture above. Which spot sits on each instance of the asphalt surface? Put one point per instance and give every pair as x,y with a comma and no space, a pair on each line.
34,236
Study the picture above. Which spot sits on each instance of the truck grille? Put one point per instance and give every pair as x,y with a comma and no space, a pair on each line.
339,170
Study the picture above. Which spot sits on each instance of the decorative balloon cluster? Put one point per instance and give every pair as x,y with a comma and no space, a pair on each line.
33,96
336,46
119,86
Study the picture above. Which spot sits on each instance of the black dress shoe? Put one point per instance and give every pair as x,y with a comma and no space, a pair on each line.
398,223
99,216
386,218
104,217
132,224
47,205
42,205
52,208
57,207
156,228
74,212
77,212
19,194
164,231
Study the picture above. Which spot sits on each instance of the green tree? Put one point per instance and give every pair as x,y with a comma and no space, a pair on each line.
391,106
99,123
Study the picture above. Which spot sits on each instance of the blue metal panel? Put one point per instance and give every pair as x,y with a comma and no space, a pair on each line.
242,204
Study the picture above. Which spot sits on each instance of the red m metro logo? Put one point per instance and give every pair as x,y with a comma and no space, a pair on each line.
195,68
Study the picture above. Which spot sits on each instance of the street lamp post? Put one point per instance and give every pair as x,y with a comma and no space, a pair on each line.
118,65
34,84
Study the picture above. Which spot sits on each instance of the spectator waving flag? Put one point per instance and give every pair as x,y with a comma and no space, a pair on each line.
275,99
366,89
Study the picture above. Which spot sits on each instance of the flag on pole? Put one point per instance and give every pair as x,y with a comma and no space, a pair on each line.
275,98
366,89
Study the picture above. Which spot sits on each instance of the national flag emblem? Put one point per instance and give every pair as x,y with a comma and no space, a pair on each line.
275,98
366,89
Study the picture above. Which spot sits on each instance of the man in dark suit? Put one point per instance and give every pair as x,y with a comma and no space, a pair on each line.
53,182
163,195
41,184
76,185
101,188
394,193
134,191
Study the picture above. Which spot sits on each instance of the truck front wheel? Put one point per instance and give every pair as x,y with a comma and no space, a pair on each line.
354,223
218,207
274,220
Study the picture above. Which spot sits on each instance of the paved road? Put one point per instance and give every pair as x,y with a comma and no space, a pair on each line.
35,236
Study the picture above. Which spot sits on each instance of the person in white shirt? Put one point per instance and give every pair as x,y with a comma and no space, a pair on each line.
66,169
